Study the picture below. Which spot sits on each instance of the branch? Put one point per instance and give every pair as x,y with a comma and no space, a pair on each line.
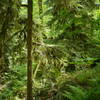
15,34
46,45
24,5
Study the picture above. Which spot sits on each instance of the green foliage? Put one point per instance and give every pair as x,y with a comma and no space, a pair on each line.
16,84
78,93
68,36
75,94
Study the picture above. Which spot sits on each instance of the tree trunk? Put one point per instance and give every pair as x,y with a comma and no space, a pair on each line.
3,35
2,68
29,51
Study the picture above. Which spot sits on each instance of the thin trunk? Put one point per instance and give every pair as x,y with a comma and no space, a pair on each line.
29,50
3,35
2,67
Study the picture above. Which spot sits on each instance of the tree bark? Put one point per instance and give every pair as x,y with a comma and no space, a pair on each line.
3,36
29,51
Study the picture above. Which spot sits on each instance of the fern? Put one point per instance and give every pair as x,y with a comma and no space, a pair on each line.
76,93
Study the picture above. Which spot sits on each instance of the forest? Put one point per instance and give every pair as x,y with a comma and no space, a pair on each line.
49,49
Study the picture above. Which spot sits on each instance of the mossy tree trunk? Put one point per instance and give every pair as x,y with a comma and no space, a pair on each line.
3,37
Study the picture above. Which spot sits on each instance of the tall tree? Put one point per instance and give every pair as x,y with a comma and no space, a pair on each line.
29,51
7,17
